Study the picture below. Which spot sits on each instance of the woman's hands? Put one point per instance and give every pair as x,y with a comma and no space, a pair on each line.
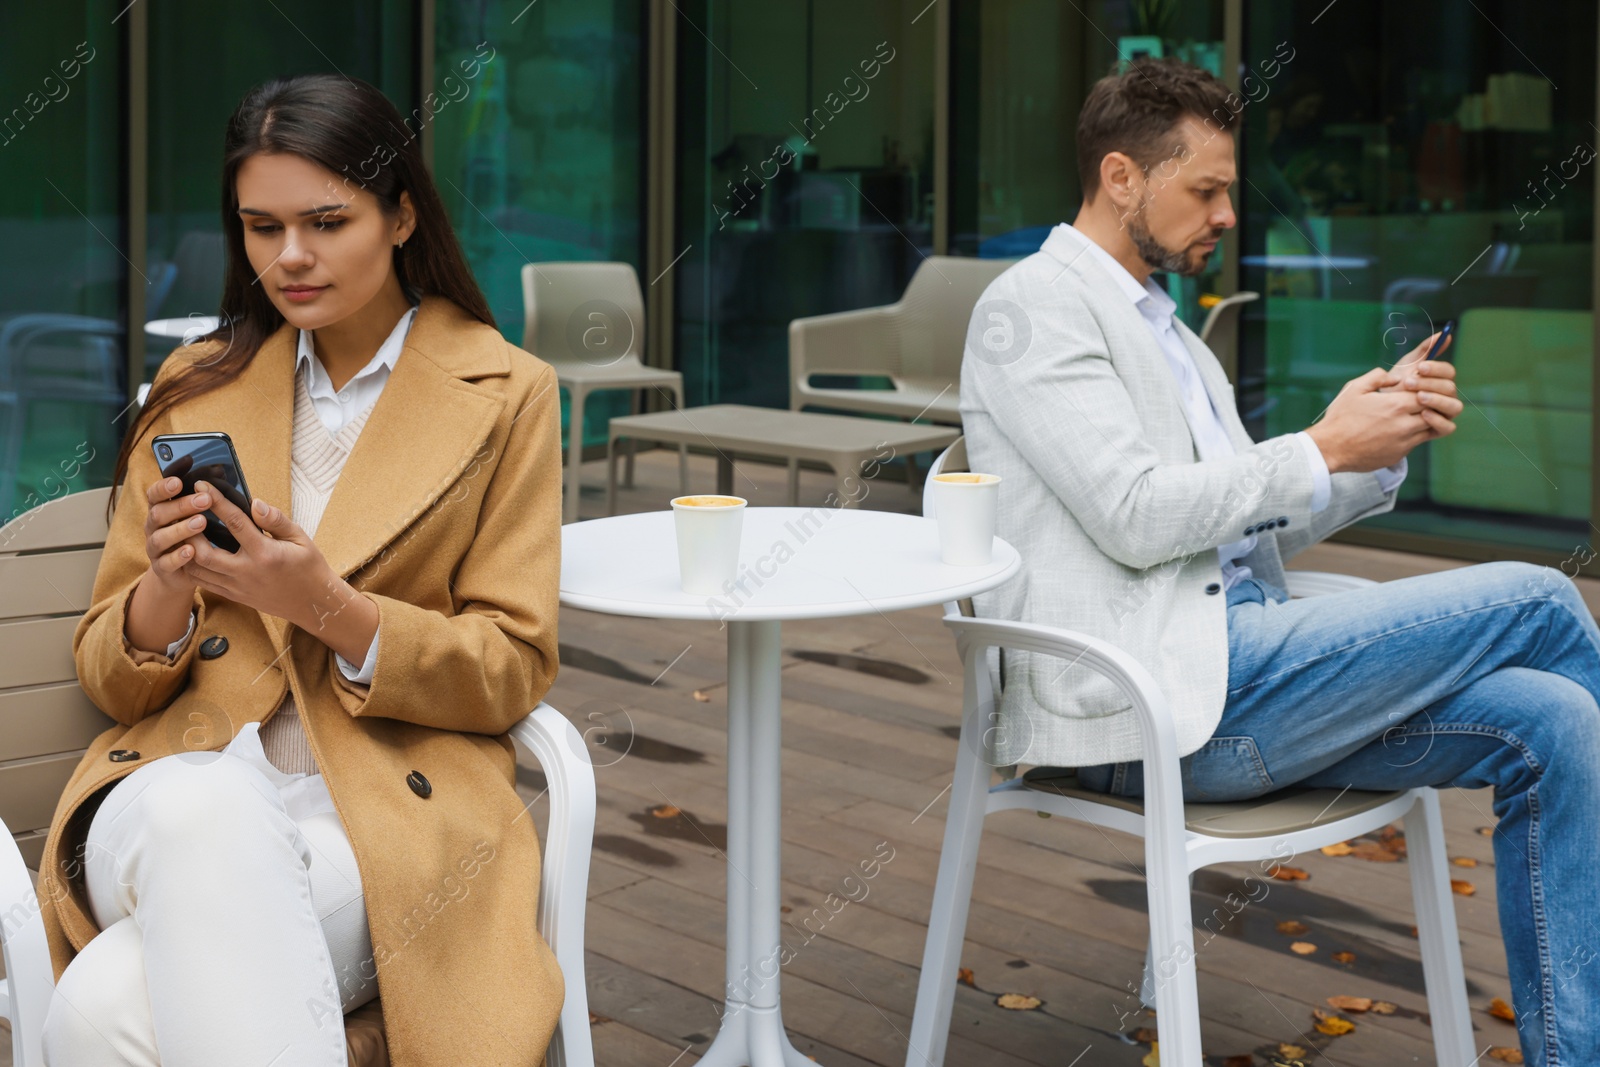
170,531
280,571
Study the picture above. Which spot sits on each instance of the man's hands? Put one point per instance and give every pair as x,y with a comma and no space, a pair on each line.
1381,416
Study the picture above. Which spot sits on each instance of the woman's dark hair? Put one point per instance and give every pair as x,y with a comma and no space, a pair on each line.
337,123
1137,113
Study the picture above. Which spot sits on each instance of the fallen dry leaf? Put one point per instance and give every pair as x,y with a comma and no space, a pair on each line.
1466,889
1345,1003
1145,1036
1464,861
1501,1010
702,696
665,811
1302,948
1292,1052
1290,874
1292,927
1153,1057
1344,957
594,1019
1505,1055
1339,848
1413,931
1383,1007
1334,1025
1017,1002
1486,831
1376,852
964,976
1246,1060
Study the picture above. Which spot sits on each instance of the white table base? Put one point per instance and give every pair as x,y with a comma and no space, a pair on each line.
752,1033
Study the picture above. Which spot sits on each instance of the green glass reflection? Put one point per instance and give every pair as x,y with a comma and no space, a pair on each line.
62,358
542,158
1391,189
805,177
1020,72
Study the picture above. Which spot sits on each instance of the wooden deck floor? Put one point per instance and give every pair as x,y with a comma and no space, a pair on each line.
870,714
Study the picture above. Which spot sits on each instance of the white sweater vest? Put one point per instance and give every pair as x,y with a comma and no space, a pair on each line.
316,459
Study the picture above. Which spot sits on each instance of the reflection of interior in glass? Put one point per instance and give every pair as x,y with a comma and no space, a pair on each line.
812,194
1386,195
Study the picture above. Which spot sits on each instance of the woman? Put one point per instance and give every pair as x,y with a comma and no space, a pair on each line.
390,614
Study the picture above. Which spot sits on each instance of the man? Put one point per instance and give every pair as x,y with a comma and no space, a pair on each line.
1147,517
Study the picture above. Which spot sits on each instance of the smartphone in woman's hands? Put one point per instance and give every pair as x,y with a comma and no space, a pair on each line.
210,458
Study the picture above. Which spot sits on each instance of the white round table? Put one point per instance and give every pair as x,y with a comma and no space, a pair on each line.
181,329
795,563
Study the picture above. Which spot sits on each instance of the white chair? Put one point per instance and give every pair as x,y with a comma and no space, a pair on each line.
915,342
1179,839
587,321
1221,329
48,558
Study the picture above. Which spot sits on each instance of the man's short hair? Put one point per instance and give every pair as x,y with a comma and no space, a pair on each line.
1137,113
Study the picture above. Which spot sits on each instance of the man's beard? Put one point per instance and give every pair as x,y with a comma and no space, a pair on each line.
1158,255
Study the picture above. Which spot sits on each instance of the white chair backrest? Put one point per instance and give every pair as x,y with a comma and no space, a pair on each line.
935,310
582,312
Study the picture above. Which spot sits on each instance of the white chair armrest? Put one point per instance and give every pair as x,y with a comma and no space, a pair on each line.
30,977
1316,583
1158,734
560,753
1165,831
846,342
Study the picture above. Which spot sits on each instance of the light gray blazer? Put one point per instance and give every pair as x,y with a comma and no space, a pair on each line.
1067,396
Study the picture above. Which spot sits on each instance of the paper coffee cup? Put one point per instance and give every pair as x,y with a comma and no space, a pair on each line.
708,528
964,506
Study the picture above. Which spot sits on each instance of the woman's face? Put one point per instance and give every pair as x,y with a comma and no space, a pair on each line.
321,248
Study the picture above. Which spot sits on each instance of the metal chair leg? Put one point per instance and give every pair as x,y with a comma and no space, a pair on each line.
952,897
1443,974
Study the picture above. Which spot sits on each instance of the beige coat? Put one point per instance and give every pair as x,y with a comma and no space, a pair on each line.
448,515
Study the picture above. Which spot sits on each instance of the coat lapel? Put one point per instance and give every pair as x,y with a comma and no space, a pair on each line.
423,433
425,430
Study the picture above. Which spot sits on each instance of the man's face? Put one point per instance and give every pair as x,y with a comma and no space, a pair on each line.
1183,204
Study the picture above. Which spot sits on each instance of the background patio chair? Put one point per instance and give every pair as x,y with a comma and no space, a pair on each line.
916,343
48,558
1179,839
587,321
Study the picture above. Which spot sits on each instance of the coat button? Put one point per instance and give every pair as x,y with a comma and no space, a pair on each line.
1283,521
1248,530
122,755
213,646
419,784
1214,588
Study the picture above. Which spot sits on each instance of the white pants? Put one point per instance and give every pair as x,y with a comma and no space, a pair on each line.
233,927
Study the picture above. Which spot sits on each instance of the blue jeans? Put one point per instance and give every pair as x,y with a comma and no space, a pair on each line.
1481,676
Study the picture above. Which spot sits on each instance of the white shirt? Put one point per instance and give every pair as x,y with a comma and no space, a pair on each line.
1210,436
336,409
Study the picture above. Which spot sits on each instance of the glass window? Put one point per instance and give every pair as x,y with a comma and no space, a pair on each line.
63,377
542,158
805,140
1392,187
1020,72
